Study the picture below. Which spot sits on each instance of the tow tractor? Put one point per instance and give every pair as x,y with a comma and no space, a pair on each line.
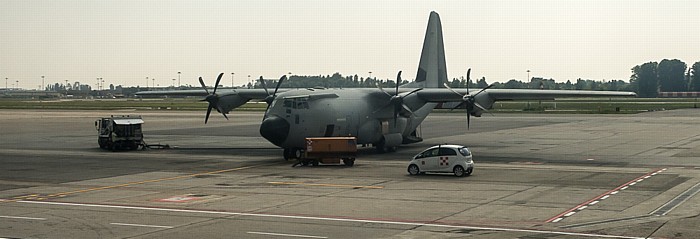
120,132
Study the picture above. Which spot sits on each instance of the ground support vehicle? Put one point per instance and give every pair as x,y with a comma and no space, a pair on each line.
443,158
120,132
330,150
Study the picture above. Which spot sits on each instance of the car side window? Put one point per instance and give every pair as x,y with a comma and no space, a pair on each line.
465,151
447,152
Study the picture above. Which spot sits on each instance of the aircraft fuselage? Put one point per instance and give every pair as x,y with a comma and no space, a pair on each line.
298,114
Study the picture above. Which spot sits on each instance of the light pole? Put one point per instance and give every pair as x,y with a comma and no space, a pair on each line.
370,74
5,83
249,82
146,82
17,85
528,75
102,81
154,83
178,79
42,82
232,85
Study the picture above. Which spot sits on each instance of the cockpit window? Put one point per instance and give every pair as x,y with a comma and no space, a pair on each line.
297,103
288,103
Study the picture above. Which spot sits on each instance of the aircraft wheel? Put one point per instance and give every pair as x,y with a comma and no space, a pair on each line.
458,171
298,154
287,154
413,169
314,162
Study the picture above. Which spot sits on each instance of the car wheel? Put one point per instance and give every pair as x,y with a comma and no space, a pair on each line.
458,171
413,169
469,171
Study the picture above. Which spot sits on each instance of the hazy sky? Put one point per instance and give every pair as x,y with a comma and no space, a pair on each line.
126,41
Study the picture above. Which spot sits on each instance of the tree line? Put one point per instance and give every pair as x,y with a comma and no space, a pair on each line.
339,81
666,76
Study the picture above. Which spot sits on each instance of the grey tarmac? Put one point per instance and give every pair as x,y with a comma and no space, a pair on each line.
537,175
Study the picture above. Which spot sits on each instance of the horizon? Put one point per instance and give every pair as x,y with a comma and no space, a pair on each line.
123,42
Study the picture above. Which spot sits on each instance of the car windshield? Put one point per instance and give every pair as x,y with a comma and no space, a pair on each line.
465,151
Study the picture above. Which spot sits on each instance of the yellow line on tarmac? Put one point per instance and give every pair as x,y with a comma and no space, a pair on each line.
150,181
326,185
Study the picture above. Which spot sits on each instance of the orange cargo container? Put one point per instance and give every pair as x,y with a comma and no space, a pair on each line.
330,150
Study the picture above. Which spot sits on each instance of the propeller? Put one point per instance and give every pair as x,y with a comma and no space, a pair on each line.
212,98
269,97
469,100
397,100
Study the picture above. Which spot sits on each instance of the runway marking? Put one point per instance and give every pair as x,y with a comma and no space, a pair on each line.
140,225
603,196
284,235
25,218
326,185
335,219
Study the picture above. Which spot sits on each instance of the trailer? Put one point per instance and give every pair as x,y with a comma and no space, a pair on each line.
330,150
120,132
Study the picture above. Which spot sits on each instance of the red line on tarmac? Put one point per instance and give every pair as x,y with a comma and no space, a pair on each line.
602,195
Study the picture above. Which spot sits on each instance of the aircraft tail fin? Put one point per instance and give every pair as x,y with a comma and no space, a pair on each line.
432,69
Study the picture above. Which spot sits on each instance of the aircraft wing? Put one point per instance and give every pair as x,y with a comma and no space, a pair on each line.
254,94
228,99
490,95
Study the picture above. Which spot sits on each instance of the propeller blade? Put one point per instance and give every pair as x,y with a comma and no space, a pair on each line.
206,119
483,109
480,107
411,92
407,109
279,82
469,79
203,85
222,112
482,90
262,82
382,89
398,79
468,119
448,87
397,109
218,79
459,105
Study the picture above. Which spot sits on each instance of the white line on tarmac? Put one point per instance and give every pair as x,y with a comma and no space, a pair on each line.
387,222
26,218
139,225
284,235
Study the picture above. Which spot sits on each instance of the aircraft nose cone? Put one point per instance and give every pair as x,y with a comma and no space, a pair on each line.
275,130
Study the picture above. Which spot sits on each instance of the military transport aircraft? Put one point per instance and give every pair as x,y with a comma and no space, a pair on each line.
384,119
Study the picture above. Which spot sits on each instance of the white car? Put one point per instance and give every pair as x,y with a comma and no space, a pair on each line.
443,158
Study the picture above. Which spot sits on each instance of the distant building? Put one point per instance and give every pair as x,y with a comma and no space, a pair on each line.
30,94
